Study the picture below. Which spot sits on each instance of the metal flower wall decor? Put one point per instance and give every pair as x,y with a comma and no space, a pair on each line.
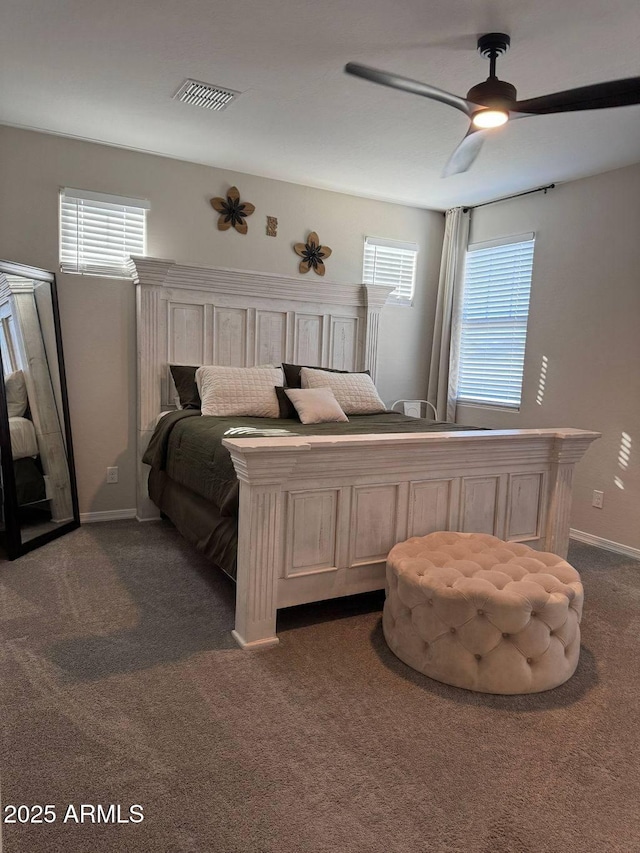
313,254
233,212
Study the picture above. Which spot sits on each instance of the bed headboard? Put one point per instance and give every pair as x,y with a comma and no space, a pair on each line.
202,315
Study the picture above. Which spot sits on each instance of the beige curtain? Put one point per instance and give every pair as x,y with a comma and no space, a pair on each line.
443,373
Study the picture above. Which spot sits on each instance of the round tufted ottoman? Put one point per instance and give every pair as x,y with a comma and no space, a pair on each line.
471,610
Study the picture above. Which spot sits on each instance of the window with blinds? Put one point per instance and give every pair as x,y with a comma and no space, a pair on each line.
495,311
98,232
393,263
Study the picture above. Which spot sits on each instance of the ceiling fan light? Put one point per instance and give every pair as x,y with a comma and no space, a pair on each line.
490,118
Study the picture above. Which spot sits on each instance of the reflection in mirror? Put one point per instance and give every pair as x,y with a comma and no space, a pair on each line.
43,498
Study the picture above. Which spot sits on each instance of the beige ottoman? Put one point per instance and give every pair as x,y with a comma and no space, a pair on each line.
471,610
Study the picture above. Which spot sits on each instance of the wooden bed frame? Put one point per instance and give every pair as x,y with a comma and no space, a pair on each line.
319,514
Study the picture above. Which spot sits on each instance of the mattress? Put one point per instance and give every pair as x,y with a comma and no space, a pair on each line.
23,438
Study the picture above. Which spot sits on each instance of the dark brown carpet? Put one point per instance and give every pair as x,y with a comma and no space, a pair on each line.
121,684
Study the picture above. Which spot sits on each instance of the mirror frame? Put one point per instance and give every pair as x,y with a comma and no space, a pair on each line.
14,546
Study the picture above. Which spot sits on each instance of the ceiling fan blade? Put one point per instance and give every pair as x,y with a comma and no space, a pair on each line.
386,78
466,153
598,96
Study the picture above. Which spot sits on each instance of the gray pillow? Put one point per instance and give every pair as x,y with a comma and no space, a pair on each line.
184,378
292,373
287,409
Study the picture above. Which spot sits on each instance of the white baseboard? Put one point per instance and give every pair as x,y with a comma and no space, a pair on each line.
107,515
607,544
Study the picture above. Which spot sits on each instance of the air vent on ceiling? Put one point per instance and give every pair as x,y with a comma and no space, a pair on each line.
205,95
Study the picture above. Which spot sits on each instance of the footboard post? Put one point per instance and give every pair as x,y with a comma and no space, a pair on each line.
260,536
557,539
259,558
568,448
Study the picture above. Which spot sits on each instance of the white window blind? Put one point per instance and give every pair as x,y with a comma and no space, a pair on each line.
393,263
98,232
495,311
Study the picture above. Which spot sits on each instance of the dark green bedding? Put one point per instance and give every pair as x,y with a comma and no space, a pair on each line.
198,520
188,446
30,486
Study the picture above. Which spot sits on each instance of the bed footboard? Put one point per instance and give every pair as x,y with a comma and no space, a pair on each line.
319,514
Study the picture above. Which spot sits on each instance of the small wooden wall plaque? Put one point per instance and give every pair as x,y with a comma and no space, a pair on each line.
272,226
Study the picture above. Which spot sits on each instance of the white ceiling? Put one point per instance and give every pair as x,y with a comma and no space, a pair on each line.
106,71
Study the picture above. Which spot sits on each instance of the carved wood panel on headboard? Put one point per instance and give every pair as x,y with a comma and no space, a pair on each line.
201,315
206,333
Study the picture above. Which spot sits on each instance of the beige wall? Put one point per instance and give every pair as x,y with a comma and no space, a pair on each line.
585,319
585,304
98,314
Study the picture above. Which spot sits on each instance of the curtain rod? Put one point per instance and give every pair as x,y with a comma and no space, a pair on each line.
508,197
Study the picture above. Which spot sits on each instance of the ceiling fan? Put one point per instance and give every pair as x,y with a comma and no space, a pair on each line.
493,102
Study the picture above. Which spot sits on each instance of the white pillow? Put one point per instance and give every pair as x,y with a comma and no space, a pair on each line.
177,399
23,438
316,405
249,391
16,391
355,392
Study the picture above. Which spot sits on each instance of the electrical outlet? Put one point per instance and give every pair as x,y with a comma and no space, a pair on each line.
112,475
598,499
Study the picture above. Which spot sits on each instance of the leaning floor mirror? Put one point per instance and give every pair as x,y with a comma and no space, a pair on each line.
39,495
